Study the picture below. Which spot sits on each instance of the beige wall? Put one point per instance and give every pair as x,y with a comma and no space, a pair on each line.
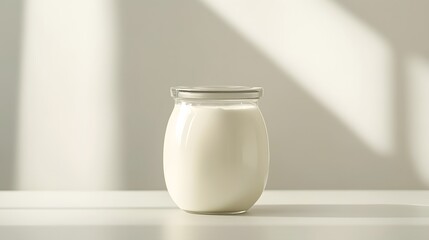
85,88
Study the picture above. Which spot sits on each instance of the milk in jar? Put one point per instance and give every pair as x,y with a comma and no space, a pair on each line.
216,153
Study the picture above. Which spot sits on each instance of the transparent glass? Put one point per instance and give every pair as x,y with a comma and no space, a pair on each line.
216,155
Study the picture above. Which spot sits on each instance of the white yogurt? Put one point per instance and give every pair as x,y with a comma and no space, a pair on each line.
216,157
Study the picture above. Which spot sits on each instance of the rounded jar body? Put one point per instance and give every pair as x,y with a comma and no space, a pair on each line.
216,153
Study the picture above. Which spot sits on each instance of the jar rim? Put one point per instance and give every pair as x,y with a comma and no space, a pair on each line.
216,92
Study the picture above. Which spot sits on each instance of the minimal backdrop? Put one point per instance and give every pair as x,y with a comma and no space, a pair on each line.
84,88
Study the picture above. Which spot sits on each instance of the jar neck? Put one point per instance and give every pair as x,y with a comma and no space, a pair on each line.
216,102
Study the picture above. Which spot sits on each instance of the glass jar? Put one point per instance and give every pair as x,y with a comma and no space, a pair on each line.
216,153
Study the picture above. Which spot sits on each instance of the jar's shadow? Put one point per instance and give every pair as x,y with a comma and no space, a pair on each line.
340,210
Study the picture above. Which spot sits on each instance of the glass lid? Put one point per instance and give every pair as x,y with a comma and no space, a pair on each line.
217,92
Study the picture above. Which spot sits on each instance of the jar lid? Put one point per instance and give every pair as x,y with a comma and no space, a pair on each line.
217,92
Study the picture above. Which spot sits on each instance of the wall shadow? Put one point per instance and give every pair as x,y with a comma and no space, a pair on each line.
10,51
167,43
404,24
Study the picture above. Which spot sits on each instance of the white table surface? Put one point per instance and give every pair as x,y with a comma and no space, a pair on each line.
276,215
